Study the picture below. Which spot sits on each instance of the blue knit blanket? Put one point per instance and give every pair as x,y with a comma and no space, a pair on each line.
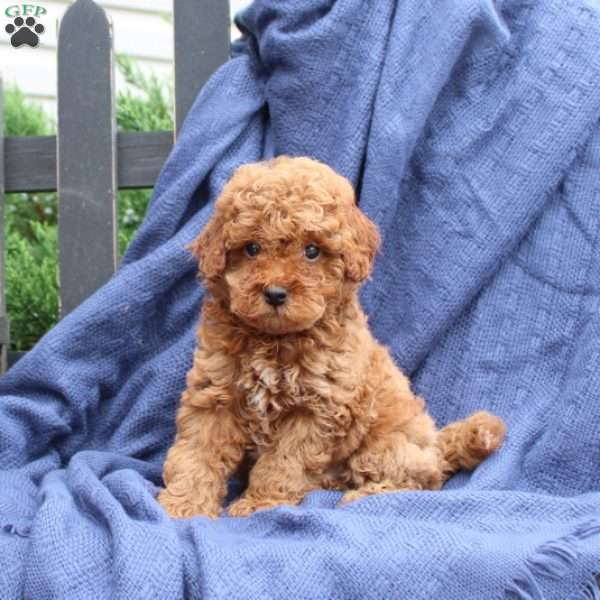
470,129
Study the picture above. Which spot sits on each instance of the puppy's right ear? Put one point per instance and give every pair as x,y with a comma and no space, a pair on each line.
362,242
209,249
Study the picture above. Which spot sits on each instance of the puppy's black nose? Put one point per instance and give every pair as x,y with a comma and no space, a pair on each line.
275,295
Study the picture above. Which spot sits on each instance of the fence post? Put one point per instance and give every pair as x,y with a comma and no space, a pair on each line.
86,153
202,44
4,337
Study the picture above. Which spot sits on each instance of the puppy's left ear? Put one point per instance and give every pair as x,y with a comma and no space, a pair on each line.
361,244
209,249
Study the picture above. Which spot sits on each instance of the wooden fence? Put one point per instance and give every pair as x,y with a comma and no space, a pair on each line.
88,161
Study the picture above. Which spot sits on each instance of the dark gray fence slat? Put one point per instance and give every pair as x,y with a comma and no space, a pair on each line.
87,172
142,156
31,161
3,317
202,41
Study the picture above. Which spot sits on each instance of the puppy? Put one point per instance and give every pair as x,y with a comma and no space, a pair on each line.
287,373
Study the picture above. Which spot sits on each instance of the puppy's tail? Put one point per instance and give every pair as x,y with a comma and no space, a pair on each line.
464,444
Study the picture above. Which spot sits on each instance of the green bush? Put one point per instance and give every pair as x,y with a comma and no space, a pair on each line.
23,117
146,105
32,284
31,219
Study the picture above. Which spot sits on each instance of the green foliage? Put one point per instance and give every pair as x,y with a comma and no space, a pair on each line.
132,207
31,219
32,284
22,117
146,104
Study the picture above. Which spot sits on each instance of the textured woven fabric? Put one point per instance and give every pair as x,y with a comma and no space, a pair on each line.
471,132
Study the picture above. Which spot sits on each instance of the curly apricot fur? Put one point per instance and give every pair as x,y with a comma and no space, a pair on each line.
302,390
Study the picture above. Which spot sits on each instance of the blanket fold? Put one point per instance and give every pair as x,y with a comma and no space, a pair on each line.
470,130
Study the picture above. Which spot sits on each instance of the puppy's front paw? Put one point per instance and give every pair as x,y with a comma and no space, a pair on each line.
351,496
245,506
180,507
368,490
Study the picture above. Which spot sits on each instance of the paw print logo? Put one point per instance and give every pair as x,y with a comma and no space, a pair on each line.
24,31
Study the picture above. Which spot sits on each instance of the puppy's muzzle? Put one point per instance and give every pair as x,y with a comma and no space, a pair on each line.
275,295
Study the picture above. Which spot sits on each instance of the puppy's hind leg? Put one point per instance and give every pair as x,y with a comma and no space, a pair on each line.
391,461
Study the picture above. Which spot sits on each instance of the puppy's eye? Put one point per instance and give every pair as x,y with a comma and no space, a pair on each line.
312,252
252,249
